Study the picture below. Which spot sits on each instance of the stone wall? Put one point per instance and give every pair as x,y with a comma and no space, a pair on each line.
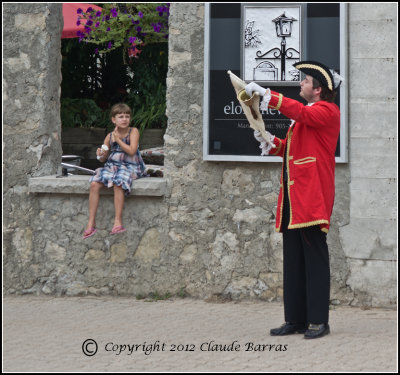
211,232
369,240
222,214
31,120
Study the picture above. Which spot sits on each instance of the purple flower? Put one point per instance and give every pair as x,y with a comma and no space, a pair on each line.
88,10
96,51
140,14
108,29
132,39
109,45
78,23
98,14
88,29
97,24
79,11
139,29
114,12
158,9
89,23
107,17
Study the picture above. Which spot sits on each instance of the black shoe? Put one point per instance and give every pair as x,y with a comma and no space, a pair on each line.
317,330
288,329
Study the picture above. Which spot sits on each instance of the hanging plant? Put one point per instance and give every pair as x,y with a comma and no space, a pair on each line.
129,26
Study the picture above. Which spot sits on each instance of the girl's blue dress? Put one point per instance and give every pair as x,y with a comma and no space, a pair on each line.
120,169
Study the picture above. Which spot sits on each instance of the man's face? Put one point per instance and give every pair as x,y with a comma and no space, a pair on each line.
307,92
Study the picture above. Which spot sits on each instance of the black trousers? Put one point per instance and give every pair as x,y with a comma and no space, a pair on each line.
306,272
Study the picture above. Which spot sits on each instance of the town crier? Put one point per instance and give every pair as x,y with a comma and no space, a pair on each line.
306,196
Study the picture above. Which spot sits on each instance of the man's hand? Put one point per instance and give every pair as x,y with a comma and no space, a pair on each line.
265,148
258,136
253,87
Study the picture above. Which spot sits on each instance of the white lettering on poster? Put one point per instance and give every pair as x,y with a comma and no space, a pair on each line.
233,109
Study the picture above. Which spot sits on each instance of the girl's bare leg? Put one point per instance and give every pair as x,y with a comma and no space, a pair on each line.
94,198
119,205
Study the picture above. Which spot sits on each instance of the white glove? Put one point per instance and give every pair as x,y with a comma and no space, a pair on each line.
253,87
265,148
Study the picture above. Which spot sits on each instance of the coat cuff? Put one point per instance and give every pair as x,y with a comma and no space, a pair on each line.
278,143
276,100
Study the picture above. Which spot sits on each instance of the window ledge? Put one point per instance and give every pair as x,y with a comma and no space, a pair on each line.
79,184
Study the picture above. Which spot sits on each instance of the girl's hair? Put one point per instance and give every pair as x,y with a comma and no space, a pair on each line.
119,108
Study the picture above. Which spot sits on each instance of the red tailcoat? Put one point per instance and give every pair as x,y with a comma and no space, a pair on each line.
311,144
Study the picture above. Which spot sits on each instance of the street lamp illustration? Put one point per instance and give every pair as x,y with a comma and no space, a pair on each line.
283,26
265,69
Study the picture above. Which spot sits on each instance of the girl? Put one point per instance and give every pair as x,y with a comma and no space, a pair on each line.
124,164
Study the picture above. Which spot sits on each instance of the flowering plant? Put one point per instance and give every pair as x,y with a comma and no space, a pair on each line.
129,25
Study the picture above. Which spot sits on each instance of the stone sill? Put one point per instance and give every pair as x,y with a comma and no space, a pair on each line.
79,184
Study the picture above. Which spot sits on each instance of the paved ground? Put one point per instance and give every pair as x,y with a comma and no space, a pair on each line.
46,334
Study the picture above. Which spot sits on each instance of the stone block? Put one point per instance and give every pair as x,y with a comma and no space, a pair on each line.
370,239
54,252
367,77
189,254
251,215
79,184
118,253
149,248
373,120
22,242
372,11
378,38
375,278
93,254
373,198
30,22
373,157
237,181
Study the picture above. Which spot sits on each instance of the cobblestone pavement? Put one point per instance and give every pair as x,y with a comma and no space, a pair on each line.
47,334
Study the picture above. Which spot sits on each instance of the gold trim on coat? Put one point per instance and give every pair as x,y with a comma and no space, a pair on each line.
308,224
288,171
308,159
280,98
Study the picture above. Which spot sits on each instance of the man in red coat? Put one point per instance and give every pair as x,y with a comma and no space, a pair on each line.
306,195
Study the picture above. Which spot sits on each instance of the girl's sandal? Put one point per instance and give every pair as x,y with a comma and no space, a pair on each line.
90,232
118,229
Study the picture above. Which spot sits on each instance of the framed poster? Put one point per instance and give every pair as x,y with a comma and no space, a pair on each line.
272,43
319,33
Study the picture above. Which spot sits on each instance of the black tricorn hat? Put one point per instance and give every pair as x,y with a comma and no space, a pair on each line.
318,71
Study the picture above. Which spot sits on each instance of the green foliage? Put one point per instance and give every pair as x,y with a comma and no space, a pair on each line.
147,88
154,297
100,80
82,113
